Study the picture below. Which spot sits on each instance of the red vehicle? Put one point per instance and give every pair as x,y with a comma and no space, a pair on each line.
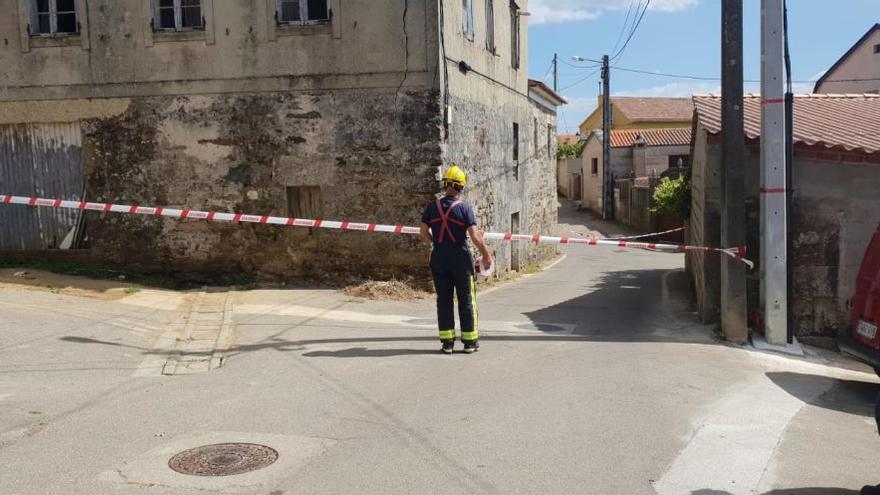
863,340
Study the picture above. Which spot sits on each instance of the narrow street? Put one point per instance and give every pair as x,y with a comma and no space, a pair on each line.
593,377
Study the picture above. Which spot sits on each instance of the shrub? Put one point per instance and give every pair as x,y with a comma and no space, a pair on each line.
569,150
673,196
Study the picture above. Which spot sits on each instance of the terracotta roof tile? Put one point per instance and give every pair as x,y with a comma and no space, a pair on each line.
567,139
655,109
625,138
849,122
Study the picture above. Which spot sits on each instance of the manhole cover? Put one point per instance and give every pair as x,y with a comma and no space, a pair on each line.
223,459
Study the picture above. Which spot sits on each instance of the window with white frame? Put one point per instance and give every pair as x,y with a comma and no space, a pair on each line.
302,11
53,17
178,15
468,19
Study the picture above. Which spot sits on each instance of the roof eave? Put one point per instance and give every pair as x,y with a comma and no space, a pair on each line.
845,56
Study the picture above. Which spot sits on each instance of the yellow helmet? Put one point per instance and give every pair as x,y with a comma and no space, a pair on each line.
455,177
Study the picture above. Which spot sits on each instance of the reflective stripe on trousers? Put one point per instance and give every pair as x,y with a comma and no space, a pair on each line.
457,281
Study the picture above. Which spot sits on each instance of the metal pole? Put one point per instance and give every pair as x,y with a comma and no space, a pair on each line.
733,278
556,72
607,175
774,225
789,175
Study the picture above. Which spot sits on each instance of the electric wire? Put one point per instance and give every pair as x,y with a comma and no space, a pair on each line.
596,62
625,23
579,81
705,78
633,32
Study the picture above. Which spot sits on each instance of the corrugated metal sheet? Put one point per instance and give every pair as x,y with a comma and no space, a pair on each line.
39,160
849,122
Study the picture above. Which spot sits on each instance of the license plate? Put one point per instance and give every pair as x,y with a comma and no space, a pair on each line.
867,330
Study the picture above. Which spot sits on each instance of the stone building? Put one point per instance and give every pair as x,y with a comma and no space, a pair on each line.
337,109
835,205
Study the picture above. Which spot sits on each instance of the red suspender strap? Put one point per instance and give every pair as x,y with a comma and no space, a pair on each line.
444,222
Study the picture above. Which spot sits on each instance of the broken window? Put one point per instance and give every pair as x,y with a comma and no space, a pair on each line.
468,20
177,15
302,11
514,35
490,25
305,202
53,17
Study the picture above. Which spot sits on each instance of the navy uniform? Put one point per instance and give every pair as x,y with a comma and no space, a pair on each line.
452,267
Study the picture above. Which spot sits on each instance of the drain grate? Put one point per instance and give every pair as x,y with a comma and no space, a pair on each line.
223,459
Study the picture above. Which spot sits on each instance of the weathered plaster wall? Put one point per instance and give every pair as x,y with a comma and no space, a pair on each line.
704,228
835,211
651,161
482,141
566,170
622,163
484,104
863,63
241,50
372,153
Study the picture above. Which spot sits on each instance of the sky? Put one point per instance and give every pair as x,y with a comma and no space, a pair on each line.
678,37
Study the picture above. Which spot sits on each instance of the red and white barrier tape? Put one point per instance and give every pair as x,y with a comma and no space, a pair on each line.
653,234
640,236
737,253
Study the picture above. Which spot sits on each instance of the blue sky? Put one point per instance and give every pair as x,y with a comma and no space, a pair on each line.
679,37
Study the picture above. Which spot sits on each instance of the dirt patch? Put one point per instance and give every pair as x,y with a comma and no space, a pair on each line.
29,279
393,290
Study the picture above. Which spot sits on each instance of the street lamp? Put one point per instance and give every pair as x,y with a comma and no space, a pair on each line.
578,58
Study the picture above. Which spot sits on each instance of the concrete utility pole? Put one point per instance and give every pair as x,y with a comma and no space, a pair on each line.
556,72
733,212
607,175
774,224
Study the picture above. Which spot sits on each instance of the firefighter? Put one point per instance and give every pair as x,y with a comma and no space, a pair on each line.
447,223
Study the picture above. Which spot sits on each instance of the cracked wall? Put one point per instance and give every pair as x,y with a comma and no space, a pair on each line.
372,154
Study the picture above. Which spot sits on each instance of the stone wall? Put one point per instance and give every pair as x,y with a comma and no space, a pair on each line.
835,211
372,154
704,228
568,169
651,161
481,140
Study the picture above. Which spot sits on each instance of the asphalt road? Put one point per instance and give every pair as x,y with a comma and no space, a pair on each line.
593,377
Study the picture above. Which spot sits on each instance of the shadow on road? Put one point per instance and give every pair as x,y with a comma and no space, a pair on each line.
283,345
788,491
632,306
361,352
848,396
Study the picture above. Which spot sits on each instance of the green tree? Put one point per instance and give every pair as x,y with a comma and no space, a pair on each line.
673,196
569,150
